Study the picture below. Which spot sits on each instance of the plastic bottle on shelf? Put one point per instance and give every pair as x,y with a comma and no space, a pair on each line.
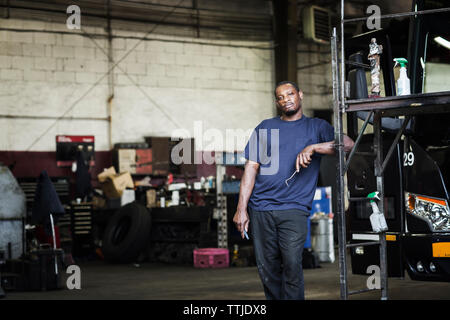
175,198
403,87
377,219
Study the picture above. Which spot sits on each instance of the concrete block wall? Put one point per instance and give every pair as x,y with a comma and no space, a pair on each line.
160,84
42,75
314,75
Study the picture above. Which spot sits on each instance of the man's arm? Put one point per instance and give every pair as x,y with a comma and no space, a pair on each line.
241,218
305,156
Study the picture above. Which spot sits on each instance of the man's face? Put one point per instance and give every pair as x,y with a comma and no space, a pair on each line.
288,99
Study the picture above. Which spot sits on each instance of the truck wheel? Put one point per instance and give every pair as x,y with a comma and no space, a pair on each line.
127,233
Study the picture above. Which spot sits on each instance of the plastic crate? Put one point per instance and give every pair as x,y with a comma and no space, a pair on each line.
211,258
231,187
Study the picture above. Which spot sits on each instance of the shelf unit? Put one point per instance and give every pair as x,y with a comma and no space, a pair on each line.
224,159
410,105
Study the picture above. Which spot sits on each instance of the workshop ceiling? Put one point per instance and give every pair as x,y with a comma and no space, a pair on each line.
212,19
250,20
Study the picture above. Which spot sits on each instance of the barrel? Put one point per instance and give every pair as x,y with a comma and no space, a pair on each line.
322,240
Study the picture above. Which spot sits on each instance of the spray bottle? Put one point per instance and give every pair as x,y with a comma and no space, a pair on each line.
403,87
377,219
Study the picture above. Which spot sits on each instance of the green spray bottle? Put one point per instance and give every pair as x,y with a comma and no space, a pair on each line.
403,87
377,219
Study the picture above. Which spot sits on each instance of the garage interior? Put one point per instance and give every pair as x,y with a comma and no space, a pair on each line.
123,129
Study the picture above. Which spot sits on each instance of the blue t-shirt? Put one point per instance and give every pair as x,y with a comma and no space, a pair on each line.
275,144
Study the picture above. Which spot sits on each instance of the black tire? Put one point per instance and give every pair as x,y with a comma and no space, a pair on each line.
127,233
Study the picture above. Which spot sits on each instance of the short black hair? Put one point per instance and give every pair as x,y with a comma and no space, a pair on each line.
292,83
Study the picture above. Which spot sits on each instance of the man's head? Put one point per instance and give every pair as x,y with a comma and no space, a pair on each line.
288,97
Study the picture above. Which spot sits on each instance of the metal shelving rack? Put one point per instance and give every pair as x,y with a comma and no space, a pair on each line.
378,108
224,159
222,214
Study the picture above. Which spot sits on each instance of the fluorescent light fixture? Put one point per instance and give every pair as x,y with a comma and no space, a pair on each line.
442,42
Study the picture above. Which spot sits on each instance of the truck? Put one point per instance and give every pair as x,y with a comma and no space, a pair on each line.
417,176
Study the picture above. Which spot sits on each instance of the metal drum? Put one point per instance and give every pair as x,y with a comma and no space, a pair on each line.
322,240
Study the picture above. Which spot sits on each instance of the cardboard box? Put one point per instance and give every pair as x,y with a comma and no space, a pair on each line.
106,173
151,198
98,202
134,161
113,184
127,160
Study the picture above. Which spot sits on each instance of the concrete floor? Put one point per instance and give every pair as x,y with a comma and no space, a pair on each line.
154,281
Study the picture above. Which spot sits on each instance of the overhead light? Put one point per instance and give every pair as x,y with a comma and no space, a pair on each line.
442,42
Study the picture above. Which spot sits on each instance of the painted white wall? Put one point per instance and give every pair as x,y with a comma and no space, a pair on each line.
165,83
315,75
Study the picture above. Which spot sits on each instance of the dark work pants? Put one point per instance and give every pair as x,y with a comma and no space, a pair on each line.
278,241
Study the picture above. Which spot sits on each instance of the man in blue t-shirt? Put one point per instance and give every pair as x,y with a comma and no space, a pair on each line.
277,188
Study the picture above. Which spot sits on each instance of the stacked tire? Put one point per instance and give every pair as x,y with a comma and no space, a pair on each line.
127,234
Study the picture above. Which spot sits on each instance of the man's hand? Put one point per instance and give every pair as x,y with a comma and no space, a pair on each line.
241,221
247,183
304,158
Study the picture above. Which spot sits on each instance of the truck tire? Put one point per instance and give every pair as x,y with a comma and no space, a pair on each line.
127,233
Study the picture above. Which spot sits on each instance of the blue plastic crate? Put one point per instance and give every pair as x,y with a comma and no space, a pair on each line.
231,186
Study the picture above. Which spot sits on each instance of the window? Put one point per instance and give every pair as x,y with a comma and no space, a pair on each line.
437,62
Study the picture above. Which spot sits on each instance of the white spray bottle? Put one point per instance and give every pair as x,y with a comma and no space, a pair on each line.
403,87
377,219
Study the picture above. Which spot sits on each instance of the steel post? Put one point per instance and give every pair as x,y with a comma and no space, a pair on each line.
342,237
378,146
